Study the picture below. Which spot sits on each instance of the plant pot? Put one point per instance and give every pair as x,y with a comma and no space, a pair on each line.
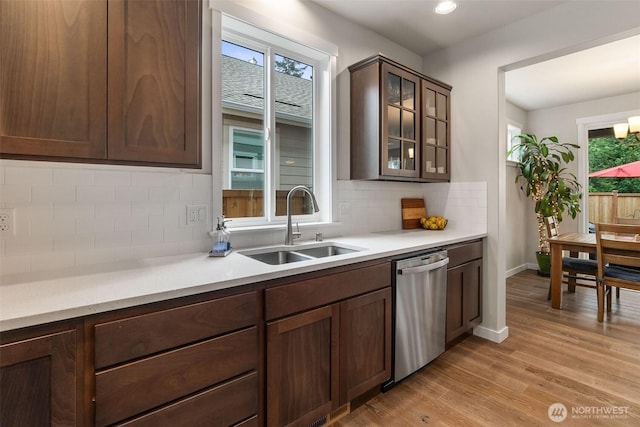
544,264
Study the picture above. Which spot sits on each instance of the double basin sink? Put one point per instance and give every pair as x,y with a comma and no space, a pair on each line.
287,254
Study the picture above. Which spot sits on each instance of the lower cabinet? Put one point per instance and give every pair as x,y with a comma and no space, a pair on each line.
464,289
322,358
302,356
186,365
39,380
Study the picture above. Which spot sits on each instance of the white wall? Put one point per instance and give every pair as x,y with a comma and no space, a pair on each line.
474,68
518,209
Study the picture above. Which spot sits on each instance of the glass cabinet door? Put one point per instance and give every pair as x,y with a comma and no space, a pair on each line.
401,123
436,132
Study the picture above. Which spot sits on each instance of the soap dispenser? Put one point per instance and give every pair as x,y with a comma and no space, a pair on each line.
221,242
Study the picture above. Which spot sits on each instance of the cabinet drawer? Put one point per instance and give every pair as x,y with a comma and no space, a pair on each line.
227,404
139,336
306,294
139,386
460,254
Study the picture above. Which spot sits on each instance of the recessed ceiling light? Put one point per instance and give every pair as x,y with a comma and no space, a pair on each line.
445,7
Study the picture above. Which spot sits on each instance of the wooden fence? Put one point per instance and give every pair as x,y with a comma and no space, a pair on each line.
249,203
604,206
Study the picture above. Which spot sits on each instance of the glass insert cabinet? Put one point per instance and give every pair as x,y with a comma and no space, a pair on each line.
399,123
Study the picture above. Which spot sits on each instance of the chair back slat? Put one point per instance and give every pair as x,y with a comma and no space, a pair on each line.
626,221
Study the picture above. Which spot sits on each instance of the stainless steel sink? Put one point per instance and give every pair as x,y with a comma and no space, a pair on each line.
279,257
287,254
325,251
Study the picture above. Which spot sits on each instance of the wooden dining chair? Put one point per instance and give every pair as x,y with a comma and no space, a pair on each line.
618,252
625,221
573,268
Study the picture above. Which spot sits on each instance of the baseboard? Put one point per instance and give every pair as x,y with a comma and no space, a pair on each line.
490,334
517,269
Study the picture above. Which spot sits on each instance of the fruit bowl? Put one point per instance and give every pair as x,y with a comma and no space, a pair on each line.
433,223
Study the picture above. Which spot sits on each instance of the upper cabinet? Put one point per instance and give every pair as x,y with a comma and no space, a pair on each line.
400,123
98,81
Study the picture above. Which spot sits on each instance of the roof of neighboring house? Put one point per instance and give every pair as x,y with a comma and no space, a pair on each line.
243,88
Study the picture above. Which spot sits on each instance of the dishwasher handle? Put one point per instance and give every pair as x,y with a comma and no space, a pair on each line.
423,268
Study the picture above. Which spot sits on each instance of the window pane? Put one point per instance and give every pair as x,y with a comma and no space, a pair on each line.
408,94
393,89
243,108
393,120
294,132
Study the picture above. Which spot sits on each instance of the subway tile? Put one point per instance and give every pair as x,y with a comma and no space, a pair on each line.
202,180
95,193
164,249
164,194
108,177
28,245
15,194
48,226
132,223
107,239
73,242
72,176
131,193
147,179
73,210
147,208
53,261
112,210
31,176
145,237
15,264
53,193
94,224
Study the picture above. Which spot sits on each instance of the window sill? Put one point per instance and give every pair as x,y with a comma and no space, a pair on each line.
272,227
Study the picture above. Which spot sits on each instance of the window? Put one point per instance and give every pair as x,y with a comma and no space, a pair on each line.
276,127
247,159
513,130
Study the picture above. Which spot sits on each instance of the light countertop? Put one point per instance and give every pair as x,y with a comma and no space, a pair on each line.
43,298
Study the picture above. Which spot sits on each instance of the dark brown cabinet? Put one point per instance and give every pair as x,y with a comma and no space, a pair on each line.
322,358
39,381
63,100
302,355
400,127
464,289
169,362
365,337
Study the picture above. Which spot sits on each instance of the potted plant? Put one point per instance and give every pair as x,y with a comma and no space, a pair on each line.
547,182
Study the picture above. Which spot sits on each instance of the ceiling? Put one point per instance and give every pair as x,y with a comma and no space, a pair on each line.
606,70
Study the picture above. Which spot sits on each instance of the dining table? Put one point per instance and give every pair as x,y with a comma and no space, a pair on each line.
572,242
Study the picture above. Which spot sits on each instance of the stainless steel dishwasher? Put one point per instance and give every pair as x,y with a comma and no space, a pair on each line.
420,311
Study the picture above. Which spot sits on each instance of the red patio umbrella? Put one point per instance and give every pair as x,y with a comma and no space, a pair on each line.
628,170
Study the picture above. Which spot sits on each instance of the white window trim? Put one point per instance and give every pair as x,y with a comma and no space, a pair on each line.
324,133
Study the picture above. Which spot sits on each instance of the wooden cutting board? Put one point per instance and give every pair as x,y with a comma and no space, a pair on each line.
412,211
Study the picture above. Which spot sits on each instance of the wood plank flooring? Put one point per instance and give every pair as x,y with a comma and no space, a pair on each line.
551,356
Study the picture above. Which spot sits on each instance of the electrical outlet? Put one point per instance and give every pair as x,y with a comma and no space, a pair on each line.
7,221
196,214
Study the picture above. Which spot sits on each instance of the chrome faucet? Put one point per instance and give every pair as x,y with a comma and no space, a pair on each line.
288,238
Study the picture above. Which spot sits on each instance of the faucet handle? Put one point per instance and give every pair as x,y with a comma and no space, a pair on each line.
296,234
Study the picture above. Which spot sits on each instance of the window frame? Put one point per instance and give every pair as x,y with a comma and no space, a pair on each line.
270,44
232,169
514,158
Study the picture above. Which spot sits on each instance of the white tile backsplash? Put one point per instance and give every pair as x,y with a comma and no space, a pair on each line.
71,215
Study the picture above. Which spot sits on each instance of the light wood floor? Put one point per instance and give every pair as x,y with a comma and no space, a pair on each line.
551,356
